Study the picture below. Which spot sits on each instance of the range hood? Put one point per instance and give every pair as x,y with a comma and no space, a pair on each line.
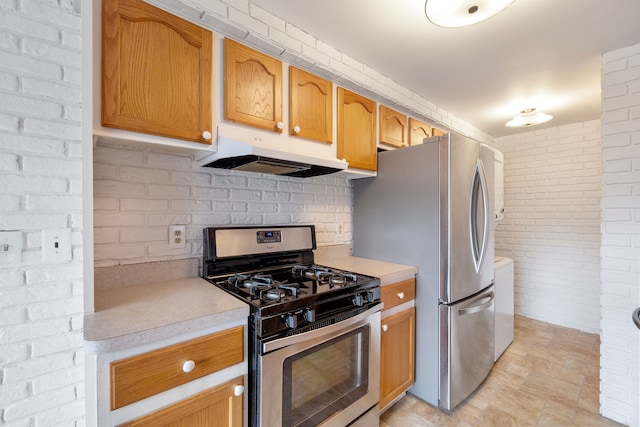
240,156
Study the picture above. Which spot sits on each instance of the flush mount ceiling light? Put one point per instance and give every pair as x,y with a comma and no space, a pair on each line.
461,13
528,117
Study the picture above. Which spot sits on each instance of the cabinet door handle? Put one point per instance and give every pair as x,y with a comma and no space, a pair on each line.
206,135
238,390
296,129
188,366
385,327
280,125
401,295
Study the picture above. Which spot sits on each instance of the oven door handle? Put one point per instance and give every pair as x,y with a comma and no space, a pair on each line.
331,329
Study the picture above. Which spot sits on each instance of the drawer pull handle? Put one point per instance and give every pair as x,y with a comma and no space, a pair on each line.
296,129
385,327
280,125
206,135
188,366
401,295
238,390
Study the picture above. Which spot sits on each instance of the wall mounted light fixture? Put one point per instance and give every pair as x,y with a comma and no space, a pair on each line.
461,13
528,117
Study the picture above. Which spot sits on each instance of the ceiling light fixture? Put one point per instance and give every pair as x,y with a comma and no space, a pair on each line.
461,13
528,117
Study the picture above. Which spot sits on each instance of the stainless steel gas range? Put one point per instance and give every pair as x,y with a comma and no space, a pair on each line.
314,332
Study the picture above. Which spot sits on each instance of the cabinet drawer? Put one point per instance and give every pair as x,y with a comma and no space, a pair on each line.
398,293
144,375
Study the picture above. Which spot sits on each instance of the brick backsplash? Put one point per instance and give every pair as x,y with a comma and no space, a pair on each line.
140,192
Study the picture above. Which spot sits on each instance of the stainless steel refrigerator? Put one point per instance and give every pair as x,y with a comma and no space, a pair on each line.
431,206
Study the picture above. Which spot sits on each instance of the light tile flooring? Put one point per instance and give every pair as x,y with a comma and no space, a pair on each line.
548,376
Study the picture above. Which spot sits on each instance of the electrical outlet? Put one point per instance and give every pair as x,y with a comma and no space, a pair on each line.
177,236
56,245
340,230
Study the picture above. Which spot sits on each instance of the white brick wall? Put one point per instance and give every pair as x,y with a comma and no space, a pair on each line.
139,192
552,223
620,352
41,358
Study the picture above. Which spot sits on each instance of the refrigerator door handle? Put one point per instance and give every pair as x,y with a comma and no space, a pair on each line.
483,304
479,233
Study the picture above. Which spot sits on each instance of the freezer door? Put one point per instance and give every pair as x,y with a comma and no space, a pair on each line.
466,347
466,218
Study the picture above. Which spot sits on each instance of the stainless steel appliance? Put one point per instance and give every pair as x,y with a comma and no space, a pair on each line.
236,155
314,332
429,206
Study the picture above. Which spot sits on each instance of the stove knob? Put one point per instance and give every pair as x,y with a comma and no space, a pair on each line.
291,320
369,297
357,300
309,315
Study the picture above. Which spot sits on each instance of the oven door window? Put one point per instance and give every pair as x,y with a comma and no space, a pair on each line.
324,379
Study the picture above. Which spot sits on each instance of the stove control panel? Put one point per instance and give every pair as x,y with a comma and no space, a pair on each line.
269,236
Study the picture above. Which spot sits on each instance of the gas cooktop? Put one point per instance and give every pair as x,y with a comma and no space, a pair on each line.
273,270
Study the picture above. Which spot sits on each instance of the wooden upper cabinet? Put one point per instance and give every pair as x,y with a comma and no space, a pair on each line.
156,72
310,106
252,87
437,132
357,130
393,127
418,131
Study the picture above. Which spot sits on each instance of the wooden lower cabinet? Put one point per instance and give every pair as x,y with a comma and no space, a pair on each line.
398,340
153,372
397,353
220,406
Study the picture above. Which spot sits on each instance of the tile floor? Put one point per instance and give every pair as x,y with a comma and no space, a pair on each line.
547,377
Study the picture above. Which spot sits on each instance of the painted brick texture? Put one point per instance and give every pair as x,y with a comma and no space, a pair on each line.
140,192
552,223
41,356
620,383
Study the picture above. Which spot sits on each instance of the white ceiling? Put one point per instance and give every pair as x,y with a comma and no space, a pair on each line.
536,53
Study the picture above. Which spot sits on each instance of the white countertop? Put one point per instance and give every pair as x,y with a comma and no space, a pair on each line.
129,316
388,272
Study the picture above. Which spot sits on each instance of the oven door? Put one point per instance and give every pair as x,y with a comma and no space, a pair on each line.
328,376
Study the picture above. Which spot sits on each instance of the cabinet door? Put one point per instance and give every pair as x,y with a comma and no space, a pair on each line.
397,349
156,72
393,127
437,132
357,130
216,407
418,131
252,87
310,106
